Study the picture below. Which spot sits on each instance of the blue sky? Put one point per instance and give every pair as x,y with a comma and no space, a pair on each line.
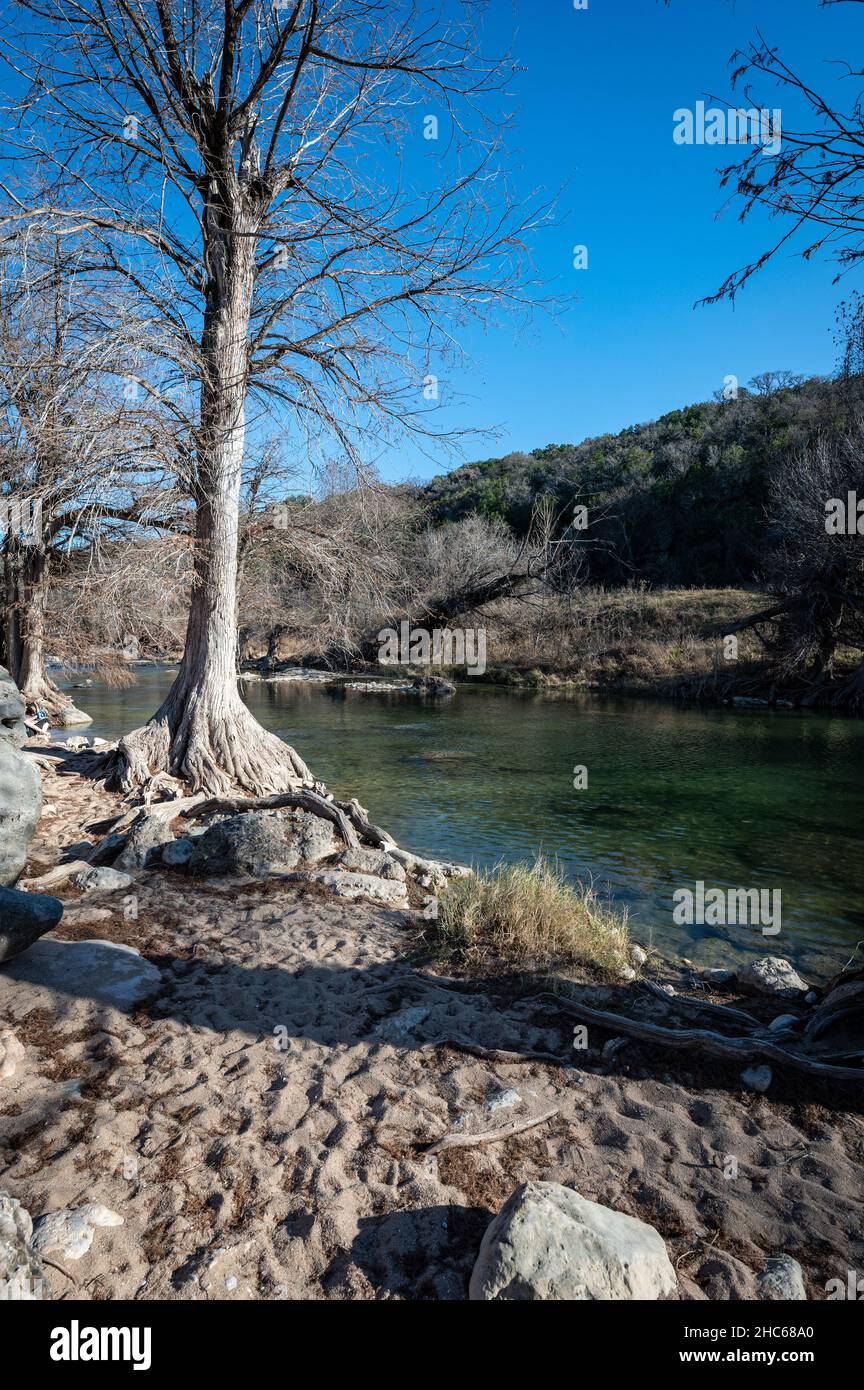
595,112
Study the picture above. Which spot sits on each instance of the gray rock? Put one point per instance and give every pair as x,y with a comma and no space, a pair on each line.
103,971
757,1078
503,1100
782,1279
178,852
103,880
718,976
148,833
401,1028
24,917
22,1279
638,956
315,838
373,861
772,975
20,784
782,1021
11,1053
255,842
13,730
549,1243
353,887
108,849
70,1232
71,718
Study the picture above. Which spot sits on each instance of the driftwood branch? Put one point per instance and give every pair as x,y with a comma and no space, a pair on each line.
490,1136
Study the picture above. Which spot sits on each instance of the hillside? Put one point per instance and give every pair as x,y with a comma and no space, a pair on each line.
678,501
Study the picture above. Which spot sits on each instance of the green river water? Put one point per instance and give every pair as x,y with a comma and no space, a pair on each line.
752,799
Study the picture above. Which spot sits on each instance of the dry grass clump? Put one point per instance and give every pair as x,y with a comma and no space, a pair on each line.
529,917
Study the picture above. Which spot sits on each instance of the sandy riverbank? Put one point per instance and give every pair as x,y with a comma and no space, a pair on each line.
260,1124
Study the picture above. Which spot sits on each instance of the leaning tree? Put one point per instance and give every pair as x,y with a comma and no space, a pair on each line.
243,164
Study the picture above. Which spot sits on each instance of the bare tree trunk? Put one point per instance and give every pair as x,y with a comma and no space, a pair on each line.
203,733
26,576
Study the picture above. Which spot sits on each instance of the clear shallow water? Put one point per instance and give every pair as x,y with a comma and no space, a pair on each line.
755,799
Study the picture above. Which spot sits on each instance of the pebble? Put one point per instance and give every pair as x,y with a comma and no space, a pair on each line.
757,1078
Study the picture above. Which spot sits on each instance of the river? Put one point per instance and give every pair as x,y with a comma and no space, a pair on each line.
750,799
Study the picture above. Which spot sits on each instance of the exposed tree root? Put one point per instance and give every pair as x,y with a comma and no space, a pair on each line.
701,1040
211,742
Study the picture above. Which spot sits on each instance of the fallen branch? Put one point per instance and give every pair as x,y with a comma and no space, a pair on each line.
701,1039
496,1054
489,1136
56,875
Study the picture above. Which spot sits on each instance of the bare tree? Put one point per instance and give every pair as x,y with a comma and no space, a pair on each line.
78,454
249,153
813,184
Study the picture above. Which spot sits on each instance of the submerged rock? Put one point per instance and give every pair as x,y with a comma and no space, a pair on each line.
549,1243
24,917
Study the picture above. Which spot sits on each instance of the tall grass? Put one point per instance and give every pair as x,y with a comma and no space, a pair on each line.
528,917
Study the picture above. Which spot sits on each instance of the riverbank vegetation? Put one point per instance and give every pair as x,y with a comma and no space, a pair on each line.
529,917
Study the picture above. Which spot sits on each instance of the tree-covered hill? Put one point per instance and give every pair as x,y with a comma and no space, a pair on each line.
678,501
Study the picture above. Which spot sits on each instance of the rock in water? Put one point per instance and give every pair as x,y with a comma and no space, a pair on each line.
20,786
21,1277
549,1243
24,917
71,718
782,1279
103,971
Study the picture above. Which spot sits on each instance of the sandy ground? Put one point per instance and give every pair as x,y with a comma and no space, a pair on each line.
260,1126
